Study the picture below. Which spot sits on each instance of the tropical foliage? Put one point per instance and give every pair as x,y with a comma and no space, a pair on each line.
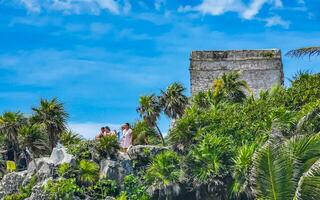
150,109
288,169
174,101
107,146
144,134
224,144
33,138
62,189
10,123
163,170
230,87
88,172
305,51
68,138
52,116
133,189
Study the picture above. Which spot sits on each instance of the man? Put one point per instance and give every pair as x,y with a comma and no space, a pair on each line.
126,140
102,133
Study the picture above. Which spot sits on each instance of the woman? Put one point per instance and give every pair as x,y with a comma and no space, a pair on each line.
126,140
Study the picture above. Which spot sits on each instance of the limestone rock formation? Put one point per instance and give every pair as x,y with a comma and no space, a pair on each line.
60,155
144,152
11,182
43,168
116,169
38,193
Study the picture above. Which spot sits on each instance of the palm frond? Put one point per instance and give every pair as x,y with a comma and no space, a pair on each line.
271,173
309,184
306,118
306,51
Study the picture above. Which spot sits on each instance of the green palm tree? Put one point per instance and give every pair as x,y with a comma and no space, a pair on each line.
10,123
174,101
163,171
52,116
230,87
305,51
150,109
88,172
33,137
288,170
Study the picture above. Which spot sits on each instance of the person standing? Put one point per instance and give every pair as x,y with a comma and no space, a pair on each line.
102,133
126,140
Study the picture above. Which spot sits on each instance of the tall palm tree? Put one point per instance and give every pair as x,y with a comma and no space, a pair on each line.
230,86
174,101
52,116
306,51
288,170
10,123
150,109
33,138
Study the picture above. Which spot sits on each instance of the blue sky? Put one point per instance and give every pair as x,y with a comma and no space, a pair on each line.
99,56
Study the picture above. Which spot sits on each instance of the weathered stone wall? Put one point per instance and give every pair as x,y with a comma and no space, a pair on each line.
260,68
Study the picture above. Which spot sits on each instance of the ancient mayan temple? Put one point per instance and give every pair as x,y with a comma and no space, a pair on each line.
260,68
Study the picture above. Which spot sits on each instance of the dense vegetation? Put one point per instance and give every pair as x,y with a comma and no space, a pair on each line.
224,144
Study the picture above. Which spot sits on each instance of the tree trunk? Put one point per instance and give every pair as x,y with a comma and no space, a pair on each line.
51,138
161,136
15,155
15,147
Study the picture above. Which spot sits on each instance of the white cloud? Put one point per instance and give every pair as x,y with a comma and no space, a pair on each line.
158,4
110,5
31,5
90,129
277,21
253,9
218,7
76,6
126,7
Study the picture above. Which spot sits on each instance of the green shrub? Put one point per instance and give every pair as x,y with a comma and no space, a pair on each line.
65,170
144,134
244,123
62,189
88,172
310,114
102,189
304,89
210,158
241,172
107,146
68,138
164,170
133,189
81,149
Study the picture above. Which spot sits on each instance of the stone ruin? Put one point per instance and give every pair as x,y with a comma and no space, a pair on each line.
260,68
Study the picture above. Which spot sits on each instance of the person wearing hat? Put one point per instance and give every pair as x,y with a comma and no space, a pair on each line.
126,140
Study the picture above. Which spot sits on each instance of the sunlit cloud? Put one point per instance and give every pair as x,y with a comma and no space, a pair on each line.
77,7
